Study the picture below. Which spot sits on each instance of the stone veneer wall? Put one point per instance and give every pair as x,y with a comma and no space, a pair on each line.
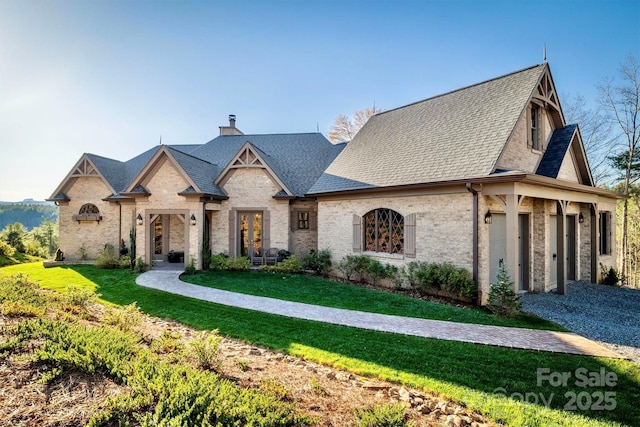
92,235
444,226
250,189
164,183
301,242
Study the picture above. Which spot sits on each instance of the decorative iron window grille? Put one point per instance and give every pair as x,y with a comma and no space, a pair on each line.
384,231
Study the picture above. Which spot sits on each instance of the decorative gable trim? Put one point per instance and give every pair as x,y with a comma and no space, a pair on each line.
249,157
152,164
546,96
83,168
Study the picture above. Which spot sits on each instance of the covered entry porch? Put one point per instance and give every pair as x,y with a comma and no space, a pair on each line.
166,237
545,235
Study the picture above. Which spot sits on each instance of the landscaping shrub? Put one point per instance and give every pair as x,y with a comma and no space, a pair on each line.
107,258
290,265
191,268
319,261
221,262
391,415
140,266
503,300
205,346
610,276
441,277
354,265
123,318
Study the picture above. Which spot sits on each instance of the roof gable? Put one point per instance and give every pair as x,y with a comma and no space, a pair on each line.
457,135
565,146
251,157
88,165
297,160
196,172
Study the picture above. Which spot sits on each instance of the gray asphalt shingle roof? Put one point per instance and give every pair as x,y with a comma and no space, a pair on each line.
453,136
297,159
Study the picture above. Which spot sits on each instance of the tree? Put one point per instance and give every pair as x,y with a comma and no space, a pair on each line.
14,234
344,128
621,101
596,136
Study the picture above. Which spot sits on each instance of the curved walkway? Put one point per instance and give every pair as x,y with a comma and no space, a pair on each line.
531,339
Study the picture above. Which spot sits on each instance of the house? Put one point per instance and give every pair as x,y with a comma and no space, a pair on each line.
483,176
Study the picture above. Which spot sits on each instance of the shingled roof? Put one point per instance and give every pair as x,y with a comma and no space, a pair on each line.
297,160
454,136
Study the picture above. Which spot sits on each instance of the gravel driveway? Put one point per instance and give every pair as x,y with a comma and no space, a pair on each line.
607,314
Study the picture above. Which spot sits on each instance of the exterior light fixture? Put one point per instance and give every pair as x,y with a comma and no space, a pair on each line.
487,218
139,219
581,218
193,219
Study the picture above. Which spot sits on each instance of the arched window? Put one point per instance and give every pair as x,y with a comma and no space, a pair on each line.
88,212
89,208
384,231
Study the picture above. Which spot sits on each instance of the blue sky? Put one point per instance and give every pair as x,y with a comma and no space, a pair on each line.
111,77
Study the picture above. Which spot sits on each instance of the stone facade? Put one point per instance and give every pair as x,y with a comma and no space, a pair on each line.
90,235
444,226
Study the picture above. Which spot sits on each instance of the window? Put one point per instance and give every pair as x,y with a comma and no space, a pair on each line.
535,127
88,212
303,220
89,208
605,233
384,231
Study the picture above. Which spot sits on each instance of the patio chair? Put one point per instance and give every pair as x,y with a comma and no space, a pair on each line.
258,257
271,256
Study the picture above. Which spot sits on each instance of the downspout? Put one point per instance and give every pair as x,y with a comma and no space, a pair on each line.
469,187
119,223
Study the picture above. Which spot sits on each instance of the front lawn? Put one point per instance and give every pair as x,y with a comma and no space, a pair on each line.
328,293
480,376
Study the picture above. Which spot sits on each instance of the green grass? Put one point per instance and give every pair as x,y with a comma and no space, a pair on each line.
328,293
461,371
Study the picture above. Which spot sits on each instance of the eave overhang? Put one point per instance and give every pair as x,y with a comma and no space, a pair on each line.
505,177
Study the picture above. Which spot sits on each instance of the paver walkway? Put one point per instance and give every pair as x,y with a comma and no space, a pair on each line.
559,342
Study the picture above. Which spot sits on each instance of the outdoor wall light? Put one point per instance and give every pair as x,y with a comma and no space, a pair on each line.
581,218
139,219
193,219
487,218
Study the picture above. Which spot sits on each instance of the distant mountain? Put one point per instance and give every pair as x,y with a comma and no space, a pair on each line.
30,213
29,202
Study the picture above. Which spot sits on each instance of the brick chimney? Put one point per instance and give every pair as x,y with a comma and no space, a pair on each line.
231,129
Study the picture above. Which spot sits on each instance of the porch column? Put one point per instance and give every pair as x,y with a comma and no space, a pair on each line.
561,218
512,239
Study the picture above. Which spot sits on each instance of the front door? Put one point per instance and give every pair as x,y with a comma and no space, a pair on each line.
250,229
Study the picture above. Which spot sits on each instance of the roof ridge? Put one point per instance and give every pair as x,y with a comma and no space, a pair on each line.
190,155
271,134
459,89
103,157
